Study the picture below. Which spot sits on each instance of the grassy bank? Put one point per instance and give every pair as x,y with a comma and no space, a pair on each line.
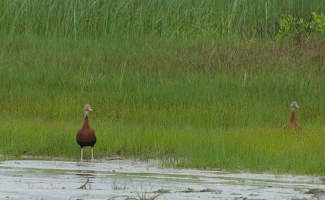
255,149
211,106
192,100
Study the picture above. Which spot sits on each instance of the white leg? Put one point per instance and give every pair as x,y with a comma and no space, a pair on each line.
92,153
81,154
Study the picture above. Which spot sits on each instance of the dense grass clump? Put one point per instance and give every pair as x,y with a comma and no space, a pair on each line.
185,91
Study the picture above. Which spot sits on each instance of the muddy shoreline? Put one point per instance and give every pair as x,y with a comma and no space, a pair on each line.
130,179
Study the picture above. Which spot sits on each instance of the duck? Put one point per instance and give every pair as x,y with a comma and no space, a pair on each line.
86,135
293,120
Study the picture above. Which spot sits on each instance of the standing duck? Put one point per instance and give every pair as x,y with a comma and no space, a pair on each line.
293,121
86,135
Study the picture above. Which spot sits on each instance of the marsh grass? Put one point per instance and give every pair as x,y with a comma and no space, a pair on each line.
180,96
136,19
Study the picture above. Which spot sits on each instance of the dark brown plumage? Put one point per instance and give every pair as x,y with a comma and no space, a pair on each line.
293,121
86,135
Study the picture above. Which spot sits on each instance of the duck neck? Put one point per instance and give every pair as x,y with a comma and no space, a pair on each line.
293,117
86,122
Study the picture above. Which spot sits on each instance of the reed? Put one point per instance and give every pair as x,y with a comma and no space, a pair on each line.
182,92
137,19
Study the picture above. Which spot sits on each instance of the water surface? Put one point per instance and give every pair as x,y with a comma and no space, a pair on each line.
127,179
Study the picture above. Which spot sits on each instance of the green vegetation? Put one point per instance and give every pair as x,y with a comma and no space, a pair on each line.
202,84
291,27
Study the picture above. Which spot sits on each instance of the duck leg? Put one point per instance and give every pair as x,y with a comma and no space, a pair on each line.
81,154
92,154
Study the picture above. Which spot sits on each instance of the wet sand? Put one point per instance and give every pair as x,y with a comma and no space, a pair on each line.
129,179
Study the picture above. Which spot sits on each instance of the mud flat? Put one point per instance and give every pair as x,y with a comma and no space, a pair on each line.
129,179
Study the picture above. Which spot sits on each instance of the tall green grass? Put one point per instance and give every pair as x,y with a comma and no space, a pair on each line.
261,81
137,19
184,94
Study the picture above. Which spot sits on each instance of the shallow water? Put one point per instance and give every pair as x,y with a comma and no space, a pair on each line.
127,179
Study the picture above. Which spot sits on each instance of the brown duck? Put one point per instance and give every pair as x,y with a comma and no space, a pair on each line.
86,135
293,121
